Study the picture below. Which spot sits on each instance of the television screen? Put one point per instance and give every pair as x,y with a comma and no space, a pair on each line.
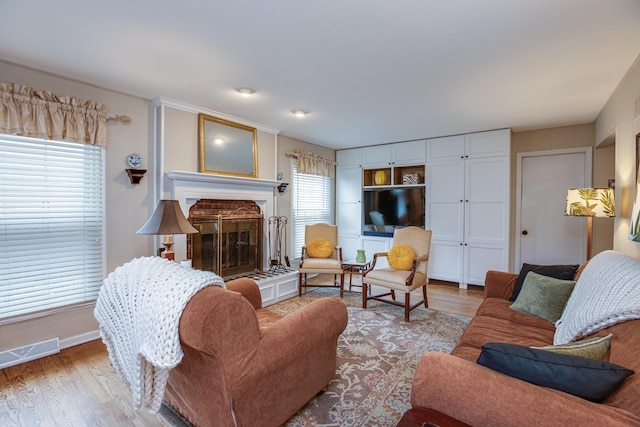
386,209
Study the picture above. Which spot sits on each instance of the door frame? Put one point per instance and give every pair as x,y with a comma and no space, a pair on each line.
588,151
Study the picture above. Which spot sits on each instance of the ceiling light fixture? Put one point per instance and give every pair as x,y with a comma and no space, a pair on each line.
246,91
299,112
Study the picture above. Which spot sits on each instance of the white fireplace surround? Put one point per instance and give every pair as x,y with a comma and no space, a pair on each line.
189,187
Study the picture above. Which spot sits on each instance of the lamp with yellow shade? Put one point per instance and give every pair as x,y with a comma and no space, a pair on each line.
590,202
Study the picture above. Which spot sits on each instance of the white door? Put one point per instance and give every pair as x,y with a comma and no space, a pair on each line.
543,234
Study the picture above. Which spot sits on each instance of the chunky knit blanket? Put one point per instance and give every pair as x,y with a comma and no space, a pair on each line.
138,309
607,292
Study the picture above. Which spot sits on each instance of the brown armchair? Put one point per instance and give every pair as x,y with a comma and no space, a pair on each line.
244,365
330,265
403,281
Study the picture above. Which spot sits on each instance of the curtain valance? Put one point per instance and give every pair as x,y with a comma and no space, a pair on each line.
41,114
313,164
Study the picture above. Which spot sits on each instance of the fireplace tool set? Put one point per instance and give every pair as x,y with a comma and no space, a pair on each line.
278,233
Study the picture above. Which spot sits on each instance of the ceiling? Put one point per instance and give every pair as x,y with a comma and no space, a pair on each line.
368,71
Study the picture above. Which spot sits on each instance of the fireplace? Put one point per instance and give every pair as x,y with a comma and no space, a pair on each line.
190,187
229,241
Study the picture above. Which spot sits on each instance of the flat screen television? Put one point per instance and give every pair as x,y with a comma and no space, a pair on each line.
385,209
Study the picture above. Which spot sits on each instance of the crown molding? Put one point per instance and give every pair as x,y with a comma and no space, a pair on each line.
179,105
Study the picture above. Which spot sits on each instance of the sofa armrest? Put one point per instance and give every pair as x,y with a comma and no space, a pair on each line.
248,288
499,284
480,396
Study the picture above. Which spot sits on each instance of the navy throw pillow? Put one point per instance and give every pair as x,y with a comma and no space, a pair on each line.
589,379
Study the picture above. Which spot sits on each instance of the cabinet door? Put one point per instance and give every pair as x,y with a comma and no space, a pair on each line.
448,147
445,204
377,156
446,260
487,200
409,153
350,245
372,245
349,158
488,144
478,258
348,200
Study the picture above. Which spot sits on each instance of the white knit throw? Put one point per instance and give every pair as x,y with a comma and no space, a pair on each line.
138,309
607,292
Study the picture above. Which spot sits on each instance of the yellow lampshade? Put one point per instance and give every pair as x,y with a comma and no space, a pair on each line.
598,202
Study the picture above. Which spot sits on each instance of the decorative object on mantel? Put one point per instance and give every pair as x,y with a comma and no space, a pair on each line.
380,177
578,204
282,187
410,178
167,219
226,148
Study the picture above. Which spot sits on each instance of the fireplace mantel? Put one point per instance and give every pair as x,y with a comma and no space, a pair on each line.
188,187
204,178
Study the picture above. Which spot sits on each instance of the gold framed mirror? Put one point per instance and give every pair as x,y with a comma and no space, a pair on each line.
226,148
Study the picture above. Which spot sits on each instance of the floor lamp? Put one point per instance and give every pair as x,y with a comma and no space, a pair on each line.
167,220
590,202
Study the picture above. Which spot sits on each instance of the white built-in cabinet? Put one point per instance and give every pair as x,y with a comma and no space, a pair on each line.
349,200
467,180
467,200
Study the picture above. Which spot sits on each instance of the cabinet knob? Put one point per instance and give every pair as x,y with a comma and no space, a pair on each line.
525,232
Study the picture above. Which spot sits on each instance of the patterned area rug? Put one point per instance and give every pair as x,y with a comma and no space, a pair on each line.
377,356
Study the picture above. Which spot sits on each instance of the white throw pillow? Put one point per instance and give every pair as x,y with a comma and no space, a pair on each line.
607,292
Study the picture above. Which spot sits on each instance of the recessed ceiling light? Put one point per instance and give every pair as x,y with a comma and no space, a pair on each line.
246,91
299,112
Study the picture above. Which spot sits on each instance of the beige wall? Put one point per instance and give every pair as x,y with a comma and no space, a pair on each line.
618,118
561,138
283,200
126,204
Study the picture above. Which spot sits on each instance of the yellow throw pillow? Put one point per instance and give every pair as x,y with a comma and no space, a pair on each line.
319,248
401,257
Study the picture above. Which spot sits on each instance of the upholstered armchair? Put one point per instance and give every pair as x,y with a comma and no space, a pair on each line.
408,261
248,366
321,254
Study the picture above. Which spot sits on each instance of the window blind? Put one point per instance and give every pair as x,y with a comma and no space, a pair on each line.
312,203
51,224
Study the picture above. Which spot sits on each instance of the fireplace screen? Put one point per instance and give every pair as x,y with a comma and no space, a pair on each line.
229,245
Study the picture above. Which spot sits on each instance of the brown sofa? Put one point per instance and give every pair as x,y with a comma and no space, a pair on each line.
456,386
246,362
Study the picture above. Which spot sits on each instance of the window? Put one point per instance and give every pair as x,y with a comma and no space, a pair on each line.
51,224
312,203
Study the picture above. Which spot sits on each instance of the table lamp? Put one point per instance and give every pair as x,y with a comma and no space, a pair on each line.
590,202
167,220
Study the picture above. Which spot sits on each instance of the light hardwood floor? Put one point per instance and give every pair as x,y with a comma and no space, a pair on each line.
78,387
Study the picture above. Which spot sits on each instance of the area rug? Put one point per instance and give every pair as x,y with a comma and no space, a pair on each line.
377,356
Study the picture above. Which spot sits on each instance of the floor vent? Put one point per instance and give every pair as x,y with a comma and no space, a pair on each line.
29,352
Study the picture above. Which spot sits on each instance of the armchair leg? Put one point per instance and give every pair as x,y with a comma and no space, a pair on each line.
341,285
424,295
364,295
407,305
300,282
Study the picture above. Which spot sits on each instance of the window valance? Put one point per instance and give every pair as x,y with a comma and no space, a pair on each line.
313,164
41,114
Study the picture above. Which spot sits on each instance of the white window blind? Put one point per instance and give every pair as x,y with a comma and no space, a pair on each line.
312,203
51,224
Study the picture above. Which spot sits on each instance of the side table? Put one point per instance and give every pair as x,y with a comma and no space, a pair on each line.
353,267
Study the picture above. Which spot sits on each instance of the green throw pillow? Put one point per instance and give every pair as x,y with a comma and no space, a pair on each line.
593,348
543,296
